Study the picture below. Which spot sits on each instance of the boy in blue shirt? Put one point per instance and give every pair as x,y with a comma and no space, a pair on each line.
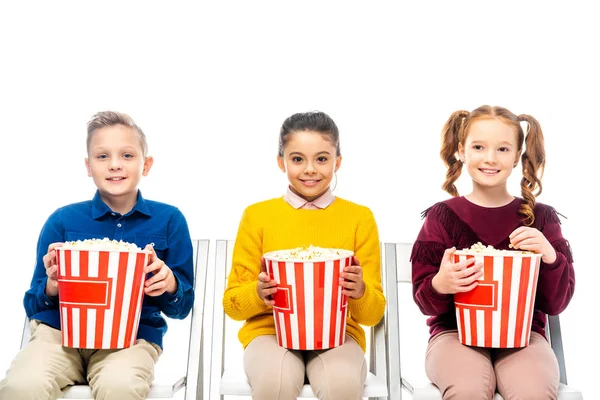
117,160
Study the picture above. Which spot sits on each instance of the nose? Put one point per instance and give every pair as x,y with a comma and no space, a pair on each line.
309,170
115,164
490,156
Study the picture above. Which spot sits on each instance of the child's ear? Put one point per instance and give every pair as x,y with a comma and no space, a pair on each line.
461,153
147,165
338,163
87,166
281,163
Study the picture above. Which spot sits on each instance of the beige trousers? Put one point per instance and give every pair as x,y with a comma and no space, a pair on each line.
276,373
465,372
44,367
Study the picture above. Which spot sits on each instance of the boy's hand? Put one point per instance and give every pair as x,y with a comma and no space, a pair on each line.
351,280
266,287
162,279
51,270
456,277
530,239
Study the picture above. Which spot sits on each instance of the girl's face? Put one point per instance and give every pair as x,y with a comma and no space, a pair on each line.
490,152
116,162
310,161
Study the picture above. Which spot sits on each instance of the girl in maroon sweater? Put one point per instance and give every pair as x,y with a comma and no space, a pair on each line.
488,142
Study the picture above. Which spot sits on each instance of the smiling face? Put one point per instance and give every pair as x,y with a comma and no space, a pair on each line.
490,153
116,163
309,160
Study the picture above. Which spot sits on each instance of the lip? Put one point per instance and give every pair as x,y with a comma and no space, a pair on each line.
116,179
310,182
489,171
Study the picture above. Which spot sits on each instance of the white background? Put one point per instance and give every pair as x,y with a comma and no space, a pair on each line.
211,84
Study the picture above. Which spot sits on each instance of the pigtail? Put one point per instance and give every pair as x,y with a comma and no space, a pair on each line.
450,140
533,160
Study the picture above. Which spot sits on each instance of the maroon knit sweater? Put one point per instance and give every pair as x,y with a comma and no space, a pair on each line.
460,223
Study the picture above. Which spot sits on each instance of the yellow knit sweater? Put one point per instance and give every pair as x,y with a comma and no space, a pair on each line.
275,225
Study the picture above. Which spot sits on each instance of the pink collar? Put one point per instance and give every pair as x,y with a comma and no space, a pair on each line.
323,201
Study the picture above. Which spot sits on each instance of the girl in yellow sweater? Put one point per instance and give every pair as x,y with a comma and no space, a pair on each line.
309,153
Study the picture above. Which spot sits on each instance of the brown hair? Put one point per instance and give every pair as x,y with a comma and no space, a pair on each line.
103,119
533,158
315,121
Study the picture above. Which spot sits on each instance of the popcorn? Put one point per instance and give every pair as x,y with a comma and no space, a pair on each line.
101,245
479,248
310,253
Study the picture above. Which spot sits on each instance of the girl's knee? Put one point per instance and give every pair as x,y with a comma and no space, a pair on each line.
269,388
468,391
344,389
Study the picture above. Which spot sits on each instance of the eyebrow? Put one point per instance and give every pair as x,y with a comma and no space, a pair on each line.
301,154
501,143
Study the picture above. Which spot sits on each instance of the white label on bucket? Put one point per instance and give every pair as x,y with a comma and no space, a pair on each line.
309,297
65,326
74,265
113,271
327,301
63,261
75,318
514,300
291,279
93,257
467,315
91,327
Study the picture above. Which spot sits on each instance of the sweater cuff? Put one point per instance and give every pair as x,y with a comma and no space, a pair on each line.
361,309
560,258
433,295
248,299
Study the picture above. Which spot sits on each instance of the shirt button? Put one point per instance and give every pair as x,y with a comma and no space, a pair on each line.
176,300
119,225
113,214
46,303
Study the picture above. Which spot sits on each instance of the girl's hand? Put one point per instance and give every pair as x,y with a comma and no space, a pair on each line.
266,287
456,277
530,239
162,279
351,280
51,270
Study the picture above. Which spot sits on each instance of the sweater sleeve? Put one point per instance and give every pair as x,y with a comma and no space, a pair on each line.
241,300
426,256
369,309
556,281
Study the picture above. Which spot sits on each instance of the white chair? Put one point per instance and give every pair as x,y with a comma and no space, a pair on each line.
191,379
232,380
398,269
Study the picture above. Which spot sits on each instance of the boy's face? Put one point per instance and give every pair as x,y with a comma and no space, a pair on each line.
116,163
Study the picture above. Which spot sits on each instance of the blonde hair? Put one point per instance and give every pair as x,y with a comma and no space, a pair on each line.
533,158
103,119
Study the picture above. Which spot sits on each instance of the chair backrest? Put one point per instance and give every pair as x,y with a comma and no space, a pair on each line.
193,378
399,269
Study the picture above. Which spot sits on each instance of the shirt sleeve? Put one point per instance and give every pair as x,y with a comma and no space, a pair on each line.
427,253
35,299
240,300
369,309
179,258
556,281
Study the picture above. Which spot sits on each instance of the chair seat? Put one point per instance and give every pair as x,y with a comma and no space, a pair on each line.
431,392
157,391
235,383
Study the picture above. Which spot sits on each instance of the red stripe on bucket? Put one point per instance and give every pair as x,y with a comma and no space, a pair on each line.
319,292
299,277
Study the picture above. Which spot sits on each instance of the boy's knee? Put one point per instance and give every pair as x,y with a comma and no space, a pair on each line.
121,384
25,388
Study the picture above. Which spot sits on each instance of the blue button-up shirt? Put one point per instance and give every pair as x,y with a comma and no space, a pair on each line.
148,222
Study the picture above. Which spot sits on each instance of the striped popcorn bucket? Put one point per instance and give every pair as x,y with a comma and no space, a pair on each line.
310,310
499,311
100,297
